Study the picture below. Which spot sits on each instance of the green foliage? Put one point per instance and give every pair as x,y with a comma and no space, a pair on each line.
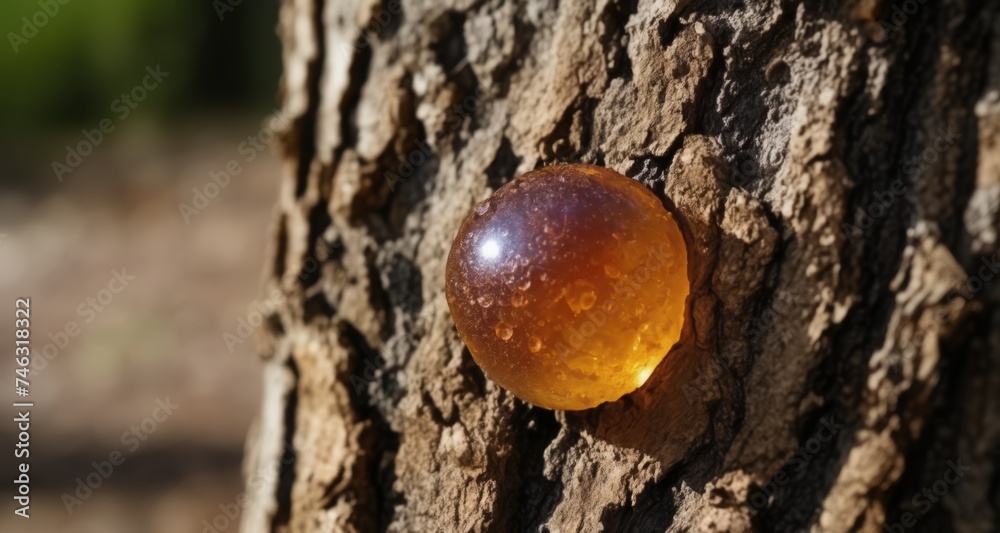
91,51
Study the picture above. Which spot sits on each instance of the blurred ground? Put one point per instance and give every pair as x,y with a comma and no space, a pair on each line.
160,337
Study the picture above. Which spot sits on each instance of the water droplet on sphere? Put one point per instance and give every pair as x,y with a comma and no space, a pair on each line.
504,331
580,297
534,344
518,299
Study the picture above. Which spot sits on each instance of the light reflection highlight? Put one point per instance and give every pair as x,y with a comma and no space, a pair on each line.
490,249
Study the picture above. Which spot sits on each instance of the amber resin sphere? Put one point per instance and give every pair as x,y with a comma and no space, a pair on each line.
568,285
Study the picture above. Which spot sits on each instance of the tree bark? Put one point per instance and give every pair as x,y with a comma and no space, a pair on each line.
835,169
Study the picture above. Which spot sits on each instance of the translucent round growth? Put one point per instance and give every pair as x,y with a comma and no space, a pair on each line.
568,285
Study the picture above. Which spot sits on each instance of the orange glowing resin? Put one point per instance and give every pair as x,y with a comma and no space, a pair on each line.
568,285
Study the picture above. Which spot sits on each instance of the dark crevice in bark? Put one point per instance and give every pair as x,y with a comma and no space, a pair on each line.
380,444
652,172
358,76
363,361
319,219
839,378
378,297
450,48
473,377
910,83
537,496
524,34
274,326
387,498
501,169
973,38
467,86
451,52
586,127
598,156
977,429
614,42
358,72
928,457
388,26
795,493
306,128
405,284
408,196
280,248
316,306
398,181
286,476
436,414
653,510
668,29
882,242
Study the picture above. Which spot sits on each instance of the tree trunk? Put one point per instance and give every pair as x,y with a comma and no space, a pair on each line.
835,168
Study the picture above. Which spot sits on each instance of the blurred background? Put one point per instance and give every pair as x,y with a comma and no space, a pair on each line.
131,295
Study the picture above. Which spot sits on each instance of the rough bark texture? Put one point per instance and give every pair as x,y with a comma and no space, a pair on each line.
839,188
